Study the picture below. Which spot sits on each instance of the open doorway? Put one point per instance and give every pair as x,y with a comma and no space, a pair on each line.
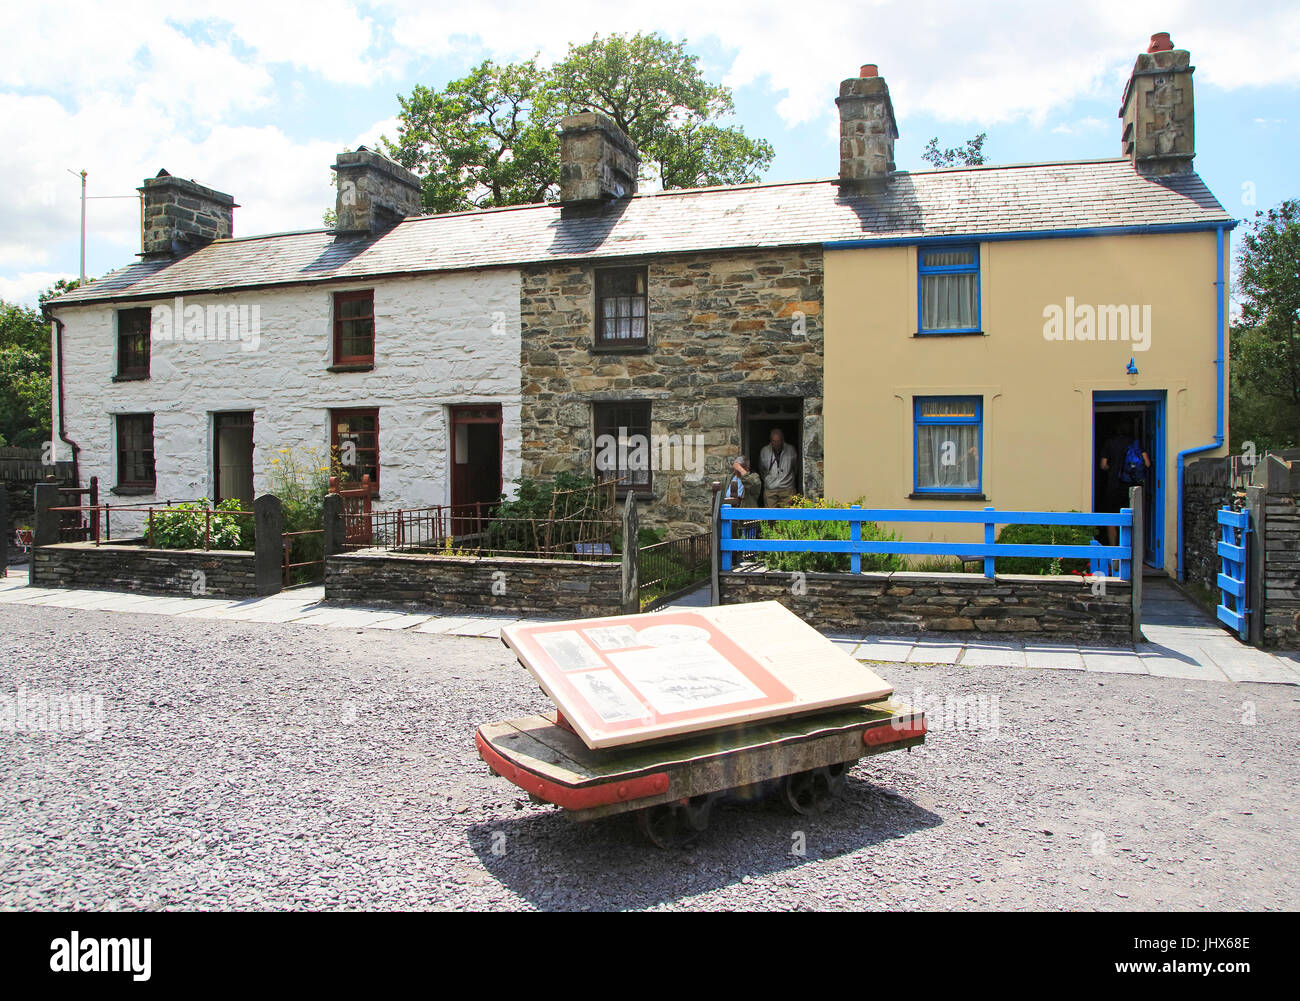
1136,416
759,417
476,455
232,458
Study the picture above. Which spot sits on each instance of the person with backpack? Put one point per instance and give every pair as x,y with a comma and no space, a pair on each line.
1125,463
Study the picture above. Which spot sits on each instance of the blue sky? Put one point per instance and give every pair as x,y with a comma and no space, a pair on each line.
256,99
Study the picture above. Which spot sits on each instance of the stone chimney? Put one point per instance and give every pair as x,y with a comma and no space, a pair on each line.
867,132
1158,137
180,216
374,193
598,163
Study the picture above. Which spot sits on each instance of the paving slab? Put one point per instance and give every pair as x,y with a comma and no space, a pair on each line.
345,618
886,648
404,620
1112,660
1162,662
444,623
1053,656
31,595
210,608
994,653
935,652
486,626
1246,663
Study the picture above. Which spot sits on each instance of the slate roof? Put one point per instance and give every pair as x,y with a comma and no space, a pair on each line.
945,202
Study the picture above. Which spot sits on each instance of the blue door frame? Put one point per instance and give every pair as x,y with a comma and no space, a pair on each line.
1152,404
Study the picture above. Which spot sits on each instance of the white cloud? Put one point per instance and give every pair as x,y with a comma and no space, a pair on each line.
131,85
23,288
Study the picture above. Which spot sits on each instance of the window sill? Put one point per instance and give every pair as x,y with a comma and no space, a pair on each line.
950,333
130,491
349,366
620,349
131,377
640,495
947,497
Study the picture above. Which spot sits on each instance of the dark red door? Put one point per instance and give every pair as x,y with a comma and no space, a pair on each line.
476,456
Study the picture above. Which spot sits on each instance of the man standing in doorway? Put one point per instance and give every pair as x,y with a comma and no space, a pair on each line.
777,462
1125,463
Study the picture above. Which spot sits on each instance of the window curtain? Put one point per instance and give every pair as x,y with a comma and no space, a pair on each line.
947,301
948,456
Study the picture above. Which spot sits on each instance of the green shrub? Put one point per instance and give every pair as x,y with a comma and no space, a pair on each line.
181,526
825,530
301,479
1043,535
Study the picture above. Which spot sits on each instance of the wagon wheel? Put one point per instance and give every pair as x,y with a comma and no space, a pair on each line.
812,791
674,825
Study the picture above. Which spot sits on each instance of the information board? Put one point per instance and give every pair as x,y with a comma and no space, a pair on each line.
634,678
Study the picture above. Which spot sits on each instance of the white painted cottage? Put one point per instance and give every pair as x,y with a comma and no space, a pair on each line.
184,375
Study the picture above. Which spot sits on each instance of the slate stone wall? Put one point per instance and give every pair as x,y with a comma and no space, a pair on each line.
551,588
1046,608
172,572
722,327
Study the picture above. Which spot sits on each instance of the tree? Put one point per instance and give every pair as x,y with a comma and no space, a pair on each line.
486,140
1265,347
25,370
972,155
491,138
654,91
24,377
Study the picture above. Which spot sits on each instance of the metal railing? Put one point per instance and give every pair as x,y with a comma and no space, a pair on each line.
989,550
475,530
98,526
668,569
302,572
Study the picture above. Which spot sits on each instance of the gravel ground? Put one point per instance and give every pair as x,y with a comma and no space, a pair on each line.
245,765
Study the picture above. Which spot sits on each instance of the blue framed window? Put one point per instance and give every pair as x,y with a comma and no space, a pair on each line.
948,289
948,438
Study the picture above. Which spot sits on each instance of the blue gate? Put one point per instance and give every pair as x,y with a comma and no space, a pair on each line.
1234,527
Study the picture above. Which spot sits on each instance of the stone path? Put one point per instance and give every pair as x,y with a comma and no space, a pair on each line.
1183,642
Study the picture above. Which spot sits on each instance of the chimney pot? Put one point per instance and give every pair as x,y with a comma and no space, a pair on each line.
867,132
374,193
598,163
1158,134
180,216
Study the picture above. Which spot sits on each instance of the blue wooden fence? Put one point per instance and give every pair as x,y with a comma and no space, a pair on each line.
1234,526
988,550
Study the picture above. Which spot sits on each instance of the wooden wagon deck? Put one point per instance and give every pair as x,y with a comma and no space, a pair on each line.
549,761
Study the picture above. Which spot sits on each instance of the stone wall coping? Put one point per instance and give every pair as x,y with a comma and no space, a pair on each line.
126,547
919,577
367,554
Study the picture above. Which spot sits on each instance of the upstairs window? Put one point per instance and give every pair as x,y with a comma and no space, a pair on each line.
354,328
133,343
949,290
949,441
354,437
623,444
621,307
135,464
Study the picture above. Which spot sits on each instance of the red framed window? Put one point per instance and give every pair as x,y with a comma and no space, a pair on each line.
621,307
133,343
354,327
354,438
135,459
